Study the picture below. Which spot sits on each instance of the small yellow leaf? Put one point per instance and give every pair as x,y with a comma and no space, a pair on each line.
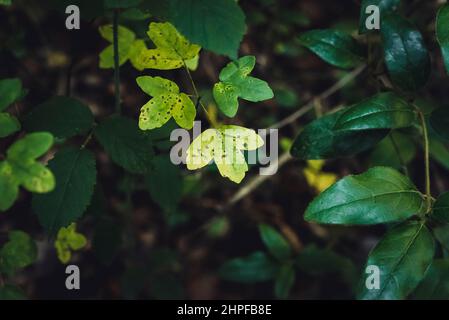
67,240
224,145
320,181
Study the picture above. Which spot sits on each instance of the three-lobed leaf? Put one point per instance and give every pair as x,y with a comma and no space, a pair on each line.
68,240
403,257
224,146
172,48
333,46
167,102
379,195
21,168
235,83
19,252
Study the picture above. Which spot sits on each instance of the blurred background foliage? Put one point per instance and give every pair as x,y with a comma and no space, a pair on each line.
166,235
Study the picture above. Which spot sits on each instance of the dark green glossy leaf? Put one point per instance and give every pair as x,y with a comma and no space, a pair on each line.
75,174
284,281
435,285
320,139
335,47
441,208
442,32
8,125
379,195
125,144
394,150
64,117
406,55
165,183
257,267
385,7
439,120
382,111
441,234
19,252
402,256
277,245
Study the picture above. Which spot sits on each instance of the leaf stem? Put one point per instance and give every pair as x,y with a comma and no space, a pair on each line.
116,61
426,160
195,90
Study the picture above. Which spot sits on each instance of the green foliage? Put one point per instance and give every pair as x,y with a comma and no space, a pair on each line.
75,174
19,252
285,278
275,242
320,139
435,285
217,25
406,55
442,32
379,195
165,183
8,125
127,146
67,240
10,91
403,256
21,168
441,208
167,102
172,50
235,83
335,47
439,120
396,150
10,292
257,267
129,47
383,111
385,7
224,145
120,4
63,117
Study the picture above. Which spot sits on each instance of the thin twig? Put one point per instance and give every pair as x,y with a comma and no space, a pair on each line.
324,95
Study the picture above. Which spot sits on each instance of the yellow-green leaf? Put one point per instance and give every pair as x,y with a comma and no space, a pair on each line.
167,102
224,145
172,50
68,240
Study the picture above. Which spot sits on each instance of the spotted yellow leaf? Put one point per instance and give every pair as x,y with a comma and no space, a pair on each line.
317,179
224,146
172,50
167,102
68,240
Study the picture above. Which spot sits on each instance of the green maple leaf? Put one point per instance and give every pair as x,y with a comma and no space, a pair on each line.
172,50
224,146
235,83
21,168
68,240
167,102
